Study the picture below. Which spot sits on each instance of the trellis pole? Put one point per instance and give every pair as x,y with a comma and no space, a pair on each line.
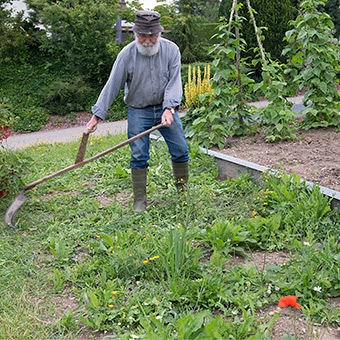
238,66
237,33
251,12
234,12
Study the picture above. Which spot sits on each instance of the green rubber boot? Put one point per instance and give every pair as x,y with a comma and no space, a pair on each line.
181,174
139,189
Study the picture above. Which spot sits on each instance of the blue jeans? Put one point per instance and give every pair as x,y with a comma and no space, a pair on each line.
143,119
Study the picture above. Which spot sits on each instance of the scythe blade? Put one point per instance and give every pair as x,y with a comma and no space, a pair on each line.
19,200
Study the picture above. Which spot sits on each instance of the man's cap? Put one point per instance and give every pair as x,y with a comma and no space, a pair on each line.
147,22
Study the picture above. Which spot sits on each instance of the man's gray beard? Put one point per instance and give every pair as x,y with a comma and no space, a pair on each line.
148,49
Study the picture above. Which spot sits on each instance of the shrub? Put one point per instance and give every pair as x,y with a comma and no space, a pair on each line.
31,119
12,168
7,119
63,97
79,33
119,109
15,40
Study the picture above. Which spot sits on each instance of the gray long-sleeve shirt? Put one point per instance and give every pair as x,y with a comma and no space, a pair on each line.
147,80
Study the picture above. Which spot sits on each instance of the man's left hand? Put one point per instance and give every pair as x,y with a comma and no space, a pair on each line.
167,118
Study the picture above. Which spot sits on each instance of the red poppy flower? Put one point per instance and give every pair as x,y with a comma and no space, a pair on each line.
289,300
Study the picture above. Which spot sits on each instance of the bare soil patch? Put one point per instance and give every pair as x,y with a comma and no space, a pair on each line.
313,156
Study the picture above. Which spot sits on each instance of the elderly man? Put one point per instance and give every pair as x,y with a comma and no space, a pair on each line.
149,69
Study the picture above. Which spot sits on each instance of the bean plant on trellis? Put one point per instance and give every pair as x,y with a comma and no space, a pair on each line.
315,54
276,118
225,112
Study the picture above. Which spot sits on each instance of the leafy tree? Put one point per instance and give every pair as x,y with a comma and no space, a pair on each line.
129,12
4,11
168,14
15,38
78,33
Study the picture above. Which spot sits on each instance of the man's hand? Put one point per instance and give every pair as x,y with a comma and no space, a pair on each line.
92,124
167,118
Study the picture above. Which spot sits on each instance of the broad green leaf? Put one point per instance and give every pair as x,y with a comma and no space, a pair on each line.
108,239
323,87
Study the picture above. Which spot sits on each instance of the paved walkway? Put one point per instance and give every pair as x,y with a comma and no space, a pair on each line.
75,133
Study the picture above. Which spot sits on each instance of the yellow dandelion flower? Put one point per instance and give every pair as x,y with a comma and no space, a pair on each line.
145,261
114,292
152,258
110,306
156,257
98,236
118,247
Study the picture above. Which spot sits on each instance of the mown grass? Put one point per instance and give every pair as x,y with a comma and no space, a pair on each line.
152,275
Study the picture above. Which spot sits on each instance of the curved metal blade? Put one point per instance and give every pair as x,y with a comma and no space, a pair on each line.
14,207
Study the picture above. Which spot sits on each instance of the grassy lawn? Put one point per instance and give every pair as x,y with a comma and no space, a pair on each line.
83,265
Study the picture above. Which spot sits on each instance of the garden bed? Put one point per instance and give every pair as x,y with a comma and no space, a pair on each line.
314,155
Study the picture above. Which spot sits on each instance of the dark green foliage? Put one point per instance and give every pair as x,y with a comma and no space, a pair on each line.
31,119
184,33
63,97
32,90
16,41
119,109
20,85
80,34
274,15
332,9
206,9
193,29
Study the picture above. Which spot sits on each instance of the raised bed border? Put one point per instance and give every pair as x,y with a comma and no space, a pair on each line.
231,166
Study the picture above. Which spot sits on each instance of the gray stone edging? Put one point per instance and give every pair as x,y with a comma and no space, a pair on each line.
230,166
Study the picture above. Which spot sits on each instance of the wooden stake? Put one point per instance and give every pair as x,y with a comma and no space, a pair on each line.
255,27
